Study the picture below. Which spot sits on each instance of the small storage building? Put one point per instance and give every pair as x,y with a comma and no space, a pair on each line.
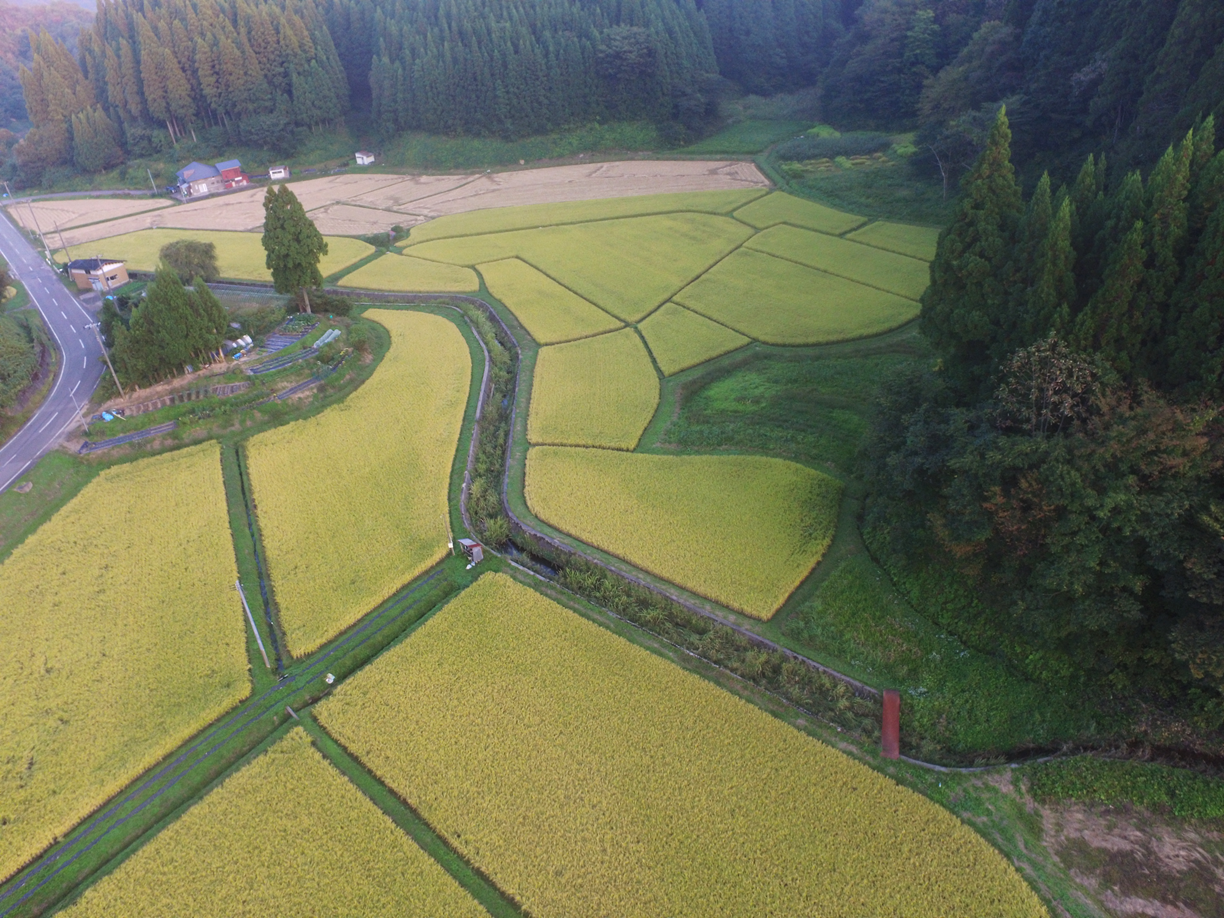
232,174
276,173
364,158
102,274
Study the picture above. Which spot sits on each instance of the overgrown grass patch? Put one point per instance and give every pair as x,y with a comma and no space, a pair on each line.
749,136
1089,779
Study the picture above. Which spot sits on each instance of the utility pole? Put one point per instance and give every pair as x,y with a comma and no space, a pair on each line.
81,411
34,217
61,235
151,182
106,357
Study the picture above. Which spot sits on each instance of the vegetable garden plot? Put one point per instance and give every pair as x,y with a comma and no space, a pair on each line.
548,311
599,391
400,272
240,256
781,207
780,302
741,530
351,501
914,241
286,835
586,776
626,267
680,338
898,274
122,636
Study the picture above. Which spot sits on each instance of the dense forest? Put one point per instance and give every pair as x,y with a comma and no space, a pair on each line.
1066,457
1076,75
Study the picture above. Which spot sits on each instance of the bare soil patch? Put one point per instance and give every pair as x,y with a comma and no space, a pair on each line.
1139,864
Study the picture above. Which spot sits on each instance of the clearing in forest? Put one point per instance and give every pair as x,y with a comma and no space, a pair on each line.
308,843
599,391
741,530
130,639
352,501
620,784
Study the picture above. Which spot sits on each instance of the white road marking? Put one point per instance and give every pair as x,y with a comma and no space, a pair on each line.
81,343
48,421
84,363
74,387
64,314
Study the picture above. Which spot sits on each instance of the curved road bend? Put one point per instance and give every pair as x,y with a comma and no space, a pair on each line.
80,364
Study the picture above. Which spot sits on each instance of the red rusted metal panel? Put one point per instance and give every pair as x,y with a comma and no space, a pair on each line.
890,729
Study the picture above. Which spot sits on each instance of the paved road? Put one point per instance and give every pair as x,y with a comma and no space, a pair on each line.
80,365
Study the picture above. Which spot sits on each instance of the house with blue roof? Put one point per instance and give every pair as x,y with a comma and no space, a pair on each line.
198,179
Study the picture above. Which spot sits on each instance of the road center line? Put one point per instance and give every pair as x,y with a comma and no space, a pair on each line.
47,423
74,387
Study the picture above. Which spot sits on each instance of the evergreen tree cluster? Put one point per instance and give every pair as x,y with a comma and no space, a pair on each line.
170,327
1067,456
519,67
261,71
774,45
1076,76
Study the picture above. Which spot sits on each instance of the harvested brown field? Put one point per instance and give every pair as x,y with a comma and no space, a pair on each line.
590,182
354,205
62,214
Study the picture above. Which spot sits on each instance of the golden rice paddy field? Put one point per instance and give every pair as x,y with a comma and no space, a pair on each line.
240,256
898,274
680,338
780,207
741,530
549,312
599,391
121,637
627,267
780,302
351,502
402,273
585,776
285,835
914,241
